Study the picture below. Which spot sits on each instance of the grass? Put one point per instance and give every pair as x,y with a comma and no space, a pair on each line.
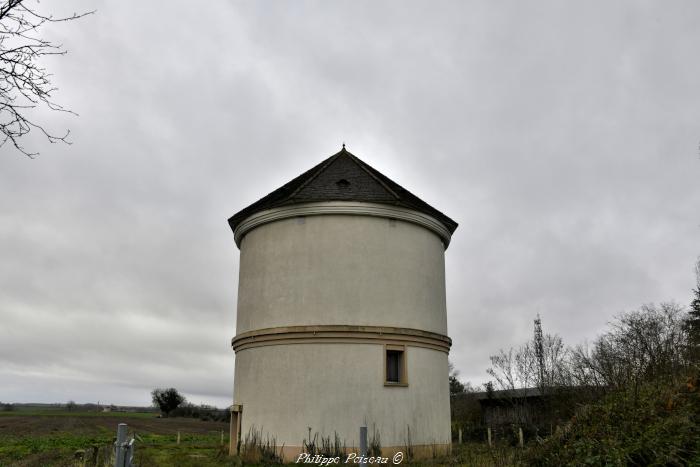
55,437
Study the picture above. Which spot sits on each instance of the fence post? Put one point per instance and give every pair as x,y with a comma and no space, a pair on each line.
222,437
178,436
129,460
119,454
521,439
460,436
234,432
363,445
488,431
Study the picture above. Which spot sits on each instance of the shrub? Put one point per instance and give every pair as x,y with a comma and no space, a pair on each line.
652,424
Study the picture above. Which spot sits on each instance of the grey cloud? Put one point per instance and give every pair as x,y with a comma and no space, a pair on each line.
563,138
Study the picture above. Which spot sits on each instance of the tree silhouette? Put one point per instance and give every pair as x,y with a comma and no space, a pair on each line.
456,386
167,400
693,320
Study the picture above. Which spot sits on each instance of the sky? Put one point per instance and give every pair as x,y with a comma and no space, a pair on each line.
563,137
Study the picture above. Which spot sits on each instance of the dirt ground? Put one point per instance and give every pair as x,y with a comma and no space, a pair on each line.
40,425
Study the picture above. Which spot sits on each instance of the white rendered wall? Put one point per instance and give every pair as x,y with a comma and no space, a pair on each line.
342,269
339,387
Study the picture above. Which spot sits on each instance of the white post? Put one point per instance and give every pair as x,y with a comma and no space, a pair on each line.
521,439
119,455
363,444
489,434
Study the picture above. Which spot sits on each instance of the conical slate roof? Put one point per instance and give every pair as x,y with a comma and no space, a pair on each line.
342,177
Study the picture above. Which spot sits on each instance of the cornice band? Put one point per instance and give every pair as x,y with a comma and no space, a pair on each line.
334,334
342,207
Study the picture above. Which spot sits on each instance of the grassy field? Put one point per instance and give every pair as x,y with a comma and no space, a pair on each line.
56,437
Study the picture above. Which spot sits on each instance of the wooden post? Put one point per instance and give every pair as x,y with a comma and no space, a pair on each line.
234,432
521,439
232,440
178,436
459,436
488,431
222,437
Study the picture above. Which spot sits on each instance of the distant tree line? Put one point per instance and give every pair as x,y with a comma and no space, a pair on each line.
202,412
652,343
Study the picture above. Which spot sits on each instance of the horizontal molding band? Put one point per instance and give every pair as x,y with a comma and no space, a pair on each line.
341,334
342,207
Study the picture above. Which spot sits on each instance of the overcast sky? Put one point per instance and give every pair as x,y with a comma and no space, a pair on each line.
562,136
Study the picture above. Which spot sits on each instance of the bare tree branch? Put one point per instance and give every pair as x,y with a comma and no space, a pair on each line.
24,83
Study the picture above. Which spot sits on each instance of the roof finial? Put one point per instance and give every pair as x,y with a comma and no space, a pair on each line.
343,145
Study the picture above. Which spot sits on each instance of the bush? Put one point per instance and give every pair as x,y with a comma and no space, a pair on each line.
656,424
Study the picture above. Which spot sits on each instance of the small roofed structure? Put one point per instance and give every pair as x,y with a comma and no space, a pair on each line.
535,408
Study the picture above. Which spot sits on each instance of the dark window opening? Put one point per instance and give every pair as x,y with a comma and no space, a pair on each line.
395,366
342,183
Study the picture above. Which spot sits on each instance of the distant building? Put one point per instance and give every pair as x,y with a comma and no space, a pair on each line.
526,406
532,407
341,318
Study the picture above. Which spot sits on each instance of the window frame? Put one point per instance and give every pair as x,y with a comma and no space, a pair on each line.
403,375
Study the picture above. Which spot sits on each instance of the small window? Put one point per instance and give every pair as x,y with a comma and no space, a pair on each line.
395,360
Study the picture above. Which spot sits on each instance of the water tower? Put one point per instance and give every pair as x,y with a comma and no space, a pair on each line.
341,312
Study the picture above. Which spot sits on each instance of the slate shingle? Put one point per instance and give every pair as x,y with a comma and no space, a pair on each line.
342,177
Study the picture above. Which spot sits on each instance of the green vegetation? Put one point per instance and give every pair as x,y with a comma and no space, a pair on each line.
650,411
14,448
58,447
56,437
631,397
657,425
152,449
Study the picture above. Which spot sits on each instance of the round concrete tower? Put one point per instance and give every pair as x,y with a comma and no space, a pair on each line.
341,312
